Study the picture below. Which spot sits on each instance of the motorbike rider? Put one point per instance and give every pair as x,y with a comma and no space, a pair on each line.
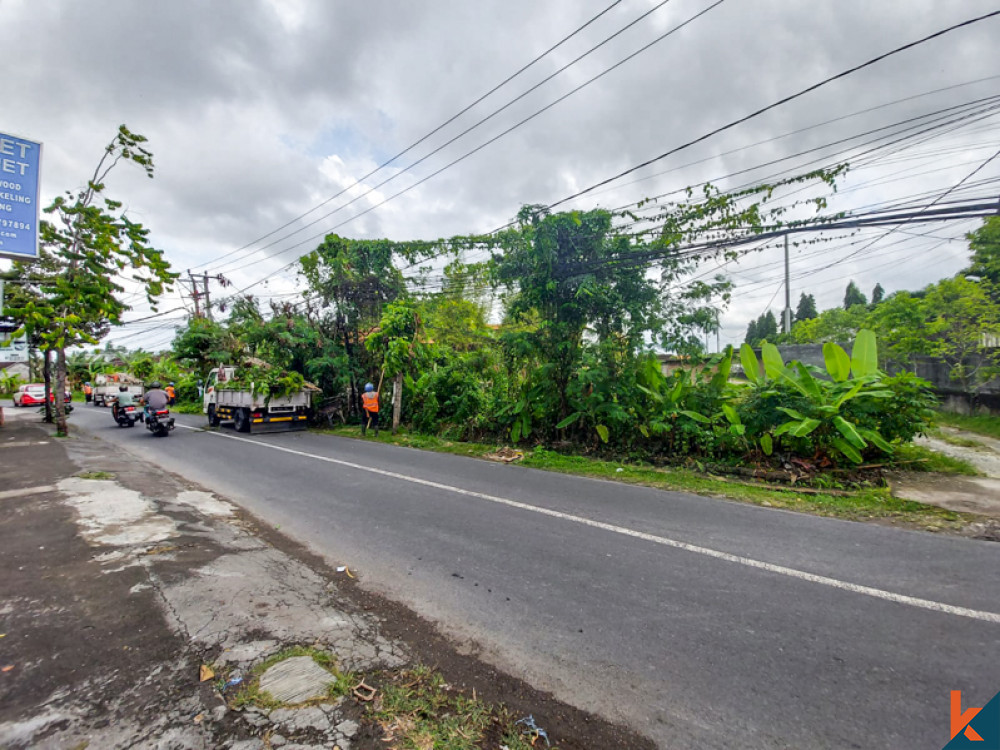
124,398
156,398
171,394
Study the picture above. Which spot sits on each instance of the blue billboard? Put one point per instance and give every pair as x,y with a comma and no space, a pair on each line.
20,164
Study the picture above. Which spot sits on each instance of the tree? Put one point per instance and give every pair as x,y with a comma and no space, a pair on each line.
836,325
91,245
807,308
985,246
955,320
767,326
854,296
878,294
752,338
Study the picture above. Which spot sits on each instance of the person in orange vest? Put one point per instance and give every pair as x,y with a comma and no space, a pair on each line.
88,392
369,400
171,394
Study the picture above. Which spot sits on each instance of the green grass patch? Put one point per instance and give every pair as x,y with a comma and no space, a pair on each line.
96,475
419,710
187,408
920,458
861,505
981,424
961,442
248,693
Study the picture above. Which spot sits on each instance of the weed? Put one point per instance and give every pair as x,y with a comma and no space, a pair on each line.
96,475
419,709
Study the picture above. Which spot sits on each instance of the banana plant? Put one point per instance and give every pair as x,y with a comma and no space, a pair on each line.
851,377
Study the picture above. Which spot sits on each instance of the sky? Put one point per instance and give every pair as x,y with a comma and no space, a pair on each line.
259,111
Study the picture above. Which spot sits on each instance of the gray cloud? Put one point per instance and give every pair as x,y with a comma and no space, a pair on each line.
244,102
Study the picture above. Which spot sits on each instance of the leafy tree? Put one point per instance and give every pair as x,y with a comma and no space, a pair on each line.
86,252
836,325
854,296
985,246
357,279
202,345
807,308
752,338
878,294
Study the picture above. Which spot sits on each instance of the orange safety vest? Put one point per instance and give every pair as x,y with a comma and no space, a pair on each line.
170,391
370,400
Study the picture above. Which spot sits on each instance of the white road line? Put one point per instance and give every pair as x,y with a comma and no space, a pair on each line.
7,494
718,555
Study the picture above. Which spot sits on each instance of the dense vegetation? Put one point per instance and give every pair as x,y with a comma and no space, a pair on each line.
955,319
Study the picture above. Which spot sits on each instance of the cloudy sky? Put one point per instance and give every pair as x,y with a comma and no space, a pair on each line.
258,111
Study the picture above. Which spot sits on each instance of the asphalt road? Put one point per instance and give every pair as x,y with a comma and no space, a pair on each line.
700,622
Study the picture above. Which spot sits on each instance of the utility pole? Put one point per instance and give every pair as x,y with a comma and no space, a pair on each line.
208,300
786,318
195,294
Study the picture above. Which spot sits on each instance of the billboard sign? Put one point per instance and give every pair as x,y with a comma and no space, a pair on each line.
20,165
14,350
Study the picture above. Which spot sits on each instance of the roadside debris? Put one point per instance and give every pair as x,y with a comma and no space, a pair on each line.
533,730
364,692
205,673
505,455
233,681
345,569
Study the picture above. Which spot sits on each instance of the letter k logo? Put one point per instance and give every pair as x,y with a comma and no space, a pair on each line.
960,721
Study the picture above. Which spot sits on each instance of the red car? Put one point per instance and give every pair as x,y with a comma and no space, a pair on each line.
33,394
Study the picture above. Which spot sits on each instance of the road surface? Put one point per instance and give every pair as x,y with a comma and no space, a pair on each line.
700,622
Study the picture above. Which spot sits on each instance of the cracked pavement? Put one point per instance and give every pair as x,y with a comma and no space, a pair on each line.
122,587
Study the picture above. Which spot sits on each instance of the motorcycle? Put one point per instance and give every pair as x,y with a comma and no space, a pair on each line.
125,416
159,422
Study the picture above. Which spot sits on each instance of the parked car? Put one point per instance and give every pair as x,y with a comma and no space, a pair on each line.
33,394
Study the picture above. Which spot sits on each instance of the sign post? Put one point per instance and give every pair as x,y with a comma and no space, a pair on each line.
20,166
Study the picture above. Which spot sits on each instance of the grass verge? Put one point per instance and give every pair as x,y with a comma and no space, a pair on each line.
961,442
186,408
982,424
919,458
417,709
861,505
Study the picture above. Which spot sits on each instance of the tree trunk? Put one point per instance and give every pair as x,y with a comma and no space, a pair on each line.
61,427
47,374
397,400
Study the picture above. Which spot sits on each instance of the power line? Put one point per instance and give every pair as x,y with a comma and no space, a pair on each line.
423,138
489,142
778,103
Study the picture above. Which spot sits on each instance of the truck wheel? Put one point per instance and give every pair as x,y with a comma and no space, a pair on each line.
242,420
213,419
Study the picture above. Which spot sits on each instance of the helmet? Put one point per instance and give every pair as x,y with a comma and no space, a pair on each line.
123,388
155,385
171,382
369,387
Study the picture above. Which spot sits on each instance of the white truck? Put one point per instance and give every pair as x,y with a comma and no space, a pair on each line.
254,413
106,387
